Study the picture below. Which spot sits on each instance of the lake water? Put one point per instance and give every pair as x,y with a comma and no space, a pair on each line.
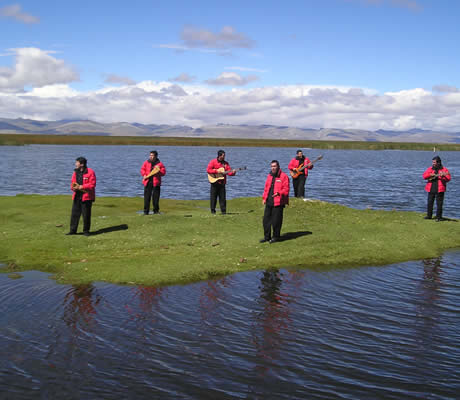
351,333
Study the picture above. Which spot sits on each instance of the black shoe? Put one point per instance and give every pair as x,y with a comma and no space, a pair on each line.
264,240
440,219
427,217
71,233
274,240
86,234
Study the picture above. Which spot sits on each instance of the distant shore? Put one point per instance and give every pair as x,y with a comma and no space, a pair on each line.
26,139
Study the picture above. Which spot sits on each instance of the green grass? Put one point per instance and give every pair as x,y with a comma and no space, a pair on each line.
20,139
186,243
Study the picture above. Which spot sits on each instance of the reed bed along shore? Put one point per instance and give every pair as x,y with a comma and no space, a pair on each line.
24,139
186,243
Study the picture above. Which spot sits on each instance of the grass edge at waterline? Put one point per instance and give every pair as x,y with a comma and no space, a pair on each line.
186,243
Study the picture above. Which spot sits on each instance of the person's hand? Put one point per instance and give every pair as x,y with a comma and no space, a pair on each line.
275,194
234,171
263,201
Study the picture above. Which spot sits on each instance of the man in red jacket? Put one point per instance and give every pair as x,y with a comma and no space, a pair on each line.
83,185
152,182
275,197
219,168
298,183
437,177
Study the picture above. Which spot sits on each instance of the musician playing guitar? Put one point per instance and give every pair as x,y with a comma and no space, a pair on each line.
299,167
437,177
219,166
152,170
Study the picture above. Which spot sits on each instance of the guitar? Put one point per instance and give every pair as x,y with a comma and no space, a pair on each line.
438,175
295,173
213,178
154,171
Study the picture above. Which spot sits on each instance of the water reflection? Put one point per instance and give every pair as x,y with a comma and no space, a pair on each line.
79,305
271,321
212,293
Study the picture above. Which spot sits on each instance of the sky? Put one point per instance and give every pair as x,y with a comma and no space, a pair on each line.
350,64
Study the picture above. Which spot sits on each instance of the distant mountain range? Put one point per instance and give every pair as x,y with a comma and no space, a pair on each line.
85,127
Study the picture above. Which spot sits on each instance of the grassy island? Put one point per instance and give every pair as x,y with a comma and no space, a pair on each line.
186,243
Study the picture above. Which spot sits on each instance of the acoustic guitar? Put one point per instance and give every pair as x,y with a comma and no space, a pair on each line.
213,178
295,173
154,171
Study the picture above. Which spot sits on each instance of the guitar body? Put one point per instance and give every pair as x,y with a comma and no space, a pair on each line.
297,172
213,178
154,171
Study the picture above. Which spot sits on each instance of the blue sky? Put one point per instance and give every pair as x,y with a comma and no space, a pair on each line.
362,64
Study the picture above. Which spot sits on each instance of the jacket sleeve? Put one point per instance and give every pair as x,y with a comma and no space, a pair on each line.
211,168
143,170
73,180
292,164
91,181
427,173
162,169
284,185
228,168
266,189
445,178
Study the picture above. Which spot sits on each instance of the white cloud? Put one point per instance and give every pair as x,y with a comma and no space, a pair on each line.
36,68
231,79
14,11
205,41
227,38
117,79
183,78
197,105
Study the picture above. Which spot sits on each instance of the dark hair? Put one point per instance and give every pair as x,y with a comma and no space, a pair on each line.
277,162
438,159
220,152
82,160
299,151
154,152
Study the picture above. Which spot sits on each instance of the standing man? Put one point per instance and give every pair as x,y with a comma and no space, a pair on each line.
152,170
299,167
437,177
83,185
275,197
219,169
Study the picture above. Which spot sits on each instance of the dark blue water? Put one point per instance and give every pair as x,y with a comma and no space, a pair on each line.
388,332
360,179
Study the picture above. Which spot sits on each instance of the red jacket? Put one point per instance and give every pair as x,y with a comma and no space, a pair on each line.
281,187
213,167
294,163
89,185
442,181
147,167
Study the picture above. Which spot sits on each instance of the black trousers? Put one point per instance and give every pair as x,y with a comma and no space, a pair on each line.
218,191
273,218
152,192
299,185
80,208
439,202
